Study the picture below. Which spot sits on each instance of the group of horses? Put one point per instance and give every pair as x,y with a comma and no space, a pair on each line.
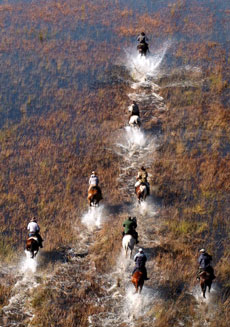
128,241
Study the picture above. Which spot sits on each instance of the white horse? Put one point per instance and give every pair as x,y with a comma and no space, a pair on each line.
135,121
128,242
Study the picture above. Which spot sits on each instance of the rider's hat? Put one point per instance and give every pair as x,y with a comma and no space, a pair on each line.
142,33
93,172
33,219
202,250
140,250
142,168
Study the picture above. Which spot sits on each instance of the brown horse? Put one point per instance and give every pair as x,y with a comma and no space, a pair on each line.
94,196
143,48
141,192
138,280
32,246
205,281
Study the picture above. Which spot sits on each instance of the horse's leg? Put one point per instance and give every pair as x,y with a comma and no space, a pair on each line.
204,290
209,287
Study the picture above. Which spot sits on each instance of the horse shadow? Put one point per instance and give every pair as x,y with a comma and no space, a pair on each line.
54,256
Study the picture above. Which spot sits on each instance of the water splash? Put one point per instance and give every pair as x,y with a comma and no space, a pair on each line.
28,264
133,140
137,305
94,217
143,68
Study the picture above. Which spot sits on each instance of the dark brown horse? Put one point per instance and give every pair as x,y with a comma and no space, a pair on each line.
94,196
205,281
32,246
143,48
138,280
141,192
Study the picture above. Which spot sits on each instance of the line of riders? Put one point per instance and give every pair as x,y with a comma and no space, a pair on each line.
130,225
140,259
34,240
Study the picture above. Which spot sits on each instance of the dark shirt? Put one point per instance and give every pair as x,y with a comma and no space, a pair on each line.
140,260
204,260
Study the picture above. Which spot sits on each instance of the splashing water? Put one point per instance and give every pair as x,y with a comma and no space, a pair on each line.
141,68
137,305
28,264
94,217
133,141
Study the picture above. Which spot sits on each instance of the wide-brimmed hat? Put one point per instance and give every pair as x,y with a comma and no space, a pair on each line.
140,250
202,250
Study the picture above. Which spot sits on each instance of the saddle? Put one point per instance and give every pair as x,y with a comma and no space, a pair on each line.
33,238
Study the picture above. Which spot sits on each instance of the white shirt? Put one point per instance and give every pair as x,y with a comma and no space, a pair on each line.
33,227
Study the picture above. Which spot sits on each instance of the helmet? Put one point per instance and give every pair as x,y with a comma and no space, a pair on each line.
140,250
202,250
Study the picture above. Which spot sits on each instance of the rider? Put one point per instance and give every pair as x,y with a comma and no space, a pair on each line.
134,109
130,225
34,230
93,182
142,178
204,261
142,38
140,260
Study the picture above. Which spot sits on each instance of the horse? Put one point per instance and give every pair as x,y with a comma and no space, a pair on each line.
138,280
32,246
143,48
141,192
94,196
128,242
135,121
205,281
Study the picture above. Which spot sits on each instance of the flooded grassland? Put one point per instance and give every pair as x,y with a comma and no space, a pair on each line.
69,71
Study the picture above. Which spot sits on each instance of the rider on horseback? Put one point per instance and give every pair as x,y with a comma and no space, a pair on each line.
134,109
34,230
93,182
142,179
205,264
140,260
143,46
130,225
142,38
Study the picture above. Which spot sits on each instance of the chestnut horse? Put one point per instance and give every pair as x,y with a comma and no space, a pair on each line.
141,192
94,196
205,281
32,246
138,280
143,48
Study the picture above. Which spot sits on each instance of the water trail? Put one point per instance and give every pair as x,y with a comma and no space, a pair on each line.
136,147
28,265
94,217
18,308
144,68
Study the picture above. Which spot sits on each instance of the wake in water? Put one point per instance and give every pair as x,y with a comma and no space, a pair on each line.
17,308
143,68
94,217
133,142
28,264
